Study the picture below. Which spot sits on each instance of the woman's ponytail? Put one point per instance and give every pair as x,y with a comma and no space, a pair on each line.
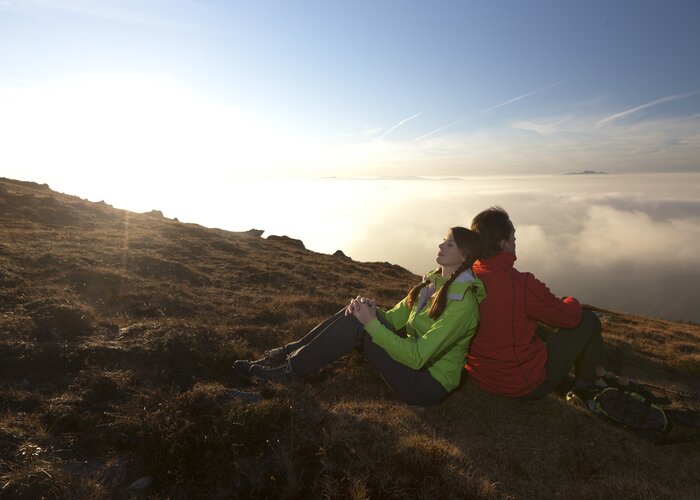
413,294
440,300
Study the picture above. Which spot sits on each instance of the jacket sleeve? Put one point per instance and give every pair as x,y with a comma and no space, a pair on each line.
542,305
459,319
398,315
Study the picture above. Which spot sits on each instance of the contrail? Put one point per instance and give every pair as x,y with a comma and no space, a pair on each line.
397,126
623,114
500,105
440,129
518,98
507,102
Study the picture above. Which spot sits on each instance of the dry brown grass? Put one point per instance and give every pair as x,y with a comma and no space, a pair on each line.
118,331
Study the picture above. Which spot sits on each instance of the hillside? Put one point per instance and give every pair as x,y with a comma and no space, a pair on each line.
117,335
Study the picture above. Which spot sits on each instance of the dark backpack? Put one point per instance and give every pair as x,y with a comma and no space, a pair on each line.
635,406
631,408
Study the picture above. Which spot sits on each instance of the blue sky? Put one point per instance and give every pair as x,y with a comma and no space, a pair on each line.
329,88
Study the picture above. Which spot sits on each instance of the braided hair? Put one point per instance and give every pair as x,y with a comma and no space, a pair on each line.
469,243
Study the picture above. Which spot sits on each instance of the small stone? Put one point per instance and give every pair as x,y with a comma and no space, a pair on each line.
141,483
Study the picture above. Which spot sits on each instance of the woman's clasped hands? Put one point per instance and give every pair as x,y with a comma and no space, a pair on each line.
362,308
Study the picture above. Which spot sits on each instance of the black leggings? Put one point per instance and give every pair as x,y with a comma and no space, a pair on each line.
340,334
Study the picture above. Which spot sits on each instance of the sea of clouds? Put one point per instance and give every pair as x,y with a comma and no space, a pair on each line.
624,242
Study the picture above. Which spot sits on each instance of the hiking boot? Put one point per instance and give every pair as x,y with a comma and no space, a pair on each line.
582,398
241,367
595,384
583,392
587,386
273,357
275,373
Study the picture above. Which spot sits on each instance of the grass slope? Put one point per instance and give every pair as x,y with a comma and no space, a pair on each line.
118,330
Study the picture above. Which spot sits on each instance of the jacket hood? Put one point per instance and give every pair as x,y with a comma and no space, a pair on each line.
466,281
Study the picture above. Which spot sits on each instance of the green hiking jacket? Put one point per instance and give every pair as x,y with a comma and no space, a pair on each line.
438,345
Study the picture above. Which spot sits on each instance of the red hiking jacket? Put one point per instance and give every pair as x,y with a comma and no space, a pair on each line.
506,356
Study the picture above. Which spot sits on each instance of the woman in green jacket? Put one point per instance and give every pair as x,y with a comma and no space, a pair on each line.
440,317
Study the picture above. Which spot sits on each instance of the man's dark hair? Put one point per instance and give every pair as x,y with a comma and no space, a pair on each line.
494,226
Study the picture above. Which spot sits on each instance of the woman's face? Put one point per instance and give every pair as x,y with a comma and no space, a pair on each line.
449,254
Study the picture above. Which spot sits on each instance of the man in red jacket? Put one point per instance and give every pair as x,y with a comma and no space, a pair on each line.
506,356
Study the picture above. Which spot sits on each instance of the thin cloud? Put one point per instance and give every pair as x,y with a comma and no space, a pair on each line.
15,79
541,128
628,112
371,131
104,10
394,127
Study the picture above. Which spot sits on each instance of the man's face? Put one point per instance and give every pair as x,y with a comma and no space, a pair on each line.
508,245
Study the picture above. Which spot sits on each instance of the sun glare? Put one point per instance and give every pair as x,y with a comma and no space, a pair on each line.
129,139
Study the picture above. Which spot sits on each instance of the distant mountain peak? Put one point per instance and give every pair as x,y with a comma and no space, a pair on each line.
586,172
